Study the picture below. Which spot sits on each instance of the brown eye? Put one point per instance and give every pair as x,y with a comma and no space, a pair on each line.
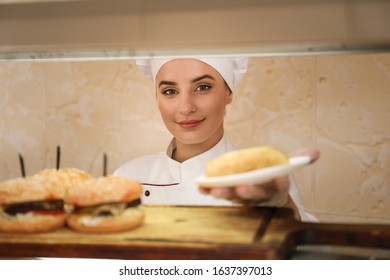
169,92
203,87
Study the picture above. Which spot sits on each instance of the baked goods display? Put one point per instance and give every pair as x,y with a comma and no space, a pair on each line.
45,201
245,160
106,204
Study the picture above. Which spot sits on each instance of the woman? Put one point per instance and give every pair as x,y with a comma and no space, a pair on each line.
192,95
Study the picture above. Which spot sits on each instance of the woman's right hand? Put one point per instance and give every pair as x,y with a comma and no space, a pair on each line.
255,194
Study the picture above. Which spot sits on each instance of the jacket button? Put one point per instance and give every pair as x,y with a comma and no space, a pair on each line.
147,193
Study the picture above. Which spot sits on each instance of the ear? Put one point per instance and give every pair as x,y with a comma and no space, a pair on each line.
229,97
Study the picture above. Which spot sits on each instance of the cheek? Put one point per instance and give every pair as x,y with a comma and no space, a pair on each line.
164,108
218,109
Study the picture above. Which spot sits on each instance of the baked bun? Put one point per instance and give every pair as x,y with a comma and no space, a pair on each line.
244,160
106,204
63,178
30,205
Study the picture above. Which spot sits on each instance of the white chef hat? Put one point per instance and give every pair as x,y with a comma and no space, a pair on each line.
232,69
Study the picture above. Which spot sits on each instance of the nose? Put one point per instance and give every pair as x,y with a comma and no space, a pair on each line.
187,104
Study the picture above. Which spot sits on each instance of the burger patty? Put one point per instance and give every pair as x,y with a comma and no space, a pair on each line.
106,209
24,207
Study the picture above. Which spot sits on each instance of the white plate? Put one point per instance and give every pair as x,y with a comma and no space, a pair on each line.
254,177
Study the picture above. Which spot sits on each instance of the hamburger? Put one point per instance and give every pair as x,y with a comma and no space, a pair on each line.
245,160
31,205
105,205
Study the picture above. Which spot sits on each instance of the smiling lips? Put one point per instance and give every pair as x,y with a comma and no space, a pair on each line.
190,123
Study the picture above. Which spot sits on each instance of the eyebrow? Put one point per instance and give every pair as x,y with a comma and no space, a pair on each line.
169,83
202,77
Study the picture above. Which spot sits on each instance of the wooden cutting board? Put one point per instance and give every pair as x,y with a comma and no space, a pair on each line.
170,232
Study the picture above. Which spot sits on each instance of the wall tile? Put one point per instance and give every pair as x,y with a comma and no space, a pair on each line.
353,105
22,122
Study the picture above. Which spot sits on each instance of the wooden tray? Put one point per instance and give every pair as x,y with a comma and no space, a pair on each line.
197,233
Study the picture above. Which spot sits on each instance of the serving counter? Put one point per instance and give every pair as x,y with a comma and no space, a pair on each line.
170,232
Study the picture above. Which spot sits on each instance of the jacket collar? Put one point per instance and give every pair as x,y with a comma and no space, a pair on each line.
224,145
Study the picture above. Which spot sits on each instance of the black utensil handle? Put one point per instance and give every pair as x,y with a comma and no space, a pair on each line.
22,170
58,157
104,164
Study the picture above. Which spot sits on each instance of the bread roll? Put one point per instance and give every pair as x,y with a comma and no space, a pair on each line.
102,190
245,160
64,178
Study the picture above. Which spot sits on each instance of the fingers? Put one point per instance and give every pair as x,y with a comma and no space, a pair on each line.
254,193
263,192
204,190
313,153
250,193
225,193
219,192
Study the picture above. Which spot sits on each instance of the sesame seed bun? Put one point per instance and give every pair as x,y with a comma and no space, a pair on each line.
102,190
28,189
64,178
32,223
130,219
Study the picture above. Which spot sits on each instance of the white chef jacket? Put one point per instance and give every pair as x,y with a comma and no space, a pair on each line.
168,182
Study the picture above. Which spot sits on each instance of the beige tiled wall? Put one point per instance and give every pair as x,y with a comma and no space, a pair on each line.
340,104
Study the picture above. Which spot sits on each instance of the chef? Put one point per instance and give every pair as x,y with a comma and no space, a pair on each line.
192,95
